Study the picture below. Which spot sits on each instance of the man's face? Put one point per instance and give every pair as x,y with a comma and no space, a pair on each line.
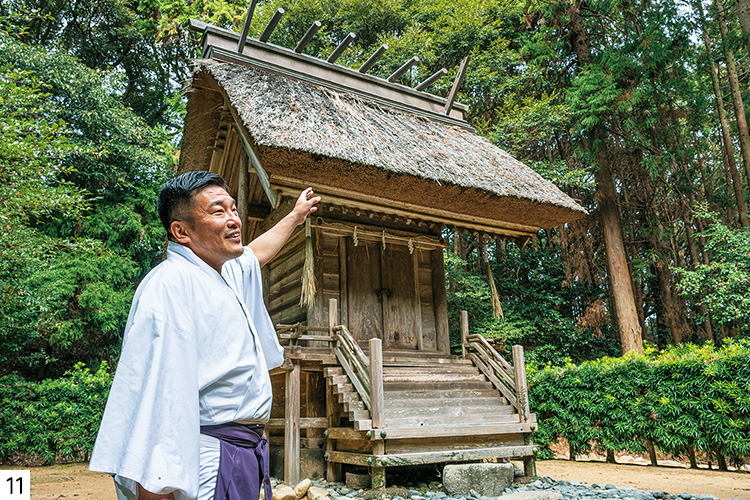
214,234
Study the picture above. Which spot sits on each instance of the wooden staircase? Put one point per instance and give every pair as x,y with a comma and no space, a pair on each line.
442,409
398,408
428,397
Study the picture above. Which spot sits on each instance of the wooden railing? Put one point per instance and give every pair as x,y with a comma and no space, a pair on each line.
354,362
509,379
365,375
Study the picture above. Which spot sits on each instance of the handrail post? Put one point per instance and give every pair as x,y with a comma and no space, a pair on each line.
464,332
377,474
376,382
333,315
522,390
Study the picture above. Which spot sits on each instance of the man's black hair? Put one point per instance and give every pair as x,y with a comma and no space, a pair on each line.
176,197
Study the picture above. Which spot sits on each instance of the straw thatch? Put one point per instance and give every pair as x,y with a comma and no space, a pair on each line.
311,131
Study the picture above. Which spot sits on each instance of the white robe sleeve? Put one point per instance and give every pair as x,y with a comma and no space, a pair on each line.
150,428
244,275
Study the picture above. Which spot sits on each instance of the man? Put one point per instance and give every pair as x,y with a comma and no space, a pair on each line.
185,415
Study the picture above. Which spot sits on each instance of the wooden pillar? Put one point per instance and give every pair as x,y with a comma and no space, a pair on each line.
376,383
377,474
333,410
529,466
522,391
291,429
417,299
464,332
439,297
243,196
333,315
377,403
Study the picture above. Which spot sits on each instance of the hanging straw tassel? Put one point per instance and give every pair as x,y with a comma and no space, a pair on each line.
497,308
307,297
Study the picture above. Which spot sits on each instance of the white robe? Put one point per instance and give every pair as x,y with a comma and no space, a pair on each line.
196,351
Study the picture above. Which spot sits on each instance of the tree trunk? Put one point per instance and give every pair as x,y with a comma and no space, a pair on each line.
691,456
621,286
707,329
667,300
721,461
734,86
651,452
727,149
743,12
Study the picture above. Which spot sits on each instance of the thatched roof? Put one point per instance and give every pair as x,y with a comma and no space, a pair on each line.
311,131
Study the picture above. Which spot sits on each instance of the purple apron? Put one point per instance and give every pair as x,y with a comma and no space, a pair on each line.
243,461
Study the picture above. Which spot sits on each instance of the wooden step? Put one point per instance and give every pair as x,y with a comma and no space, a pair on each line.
448,420
337,379
455,410
417,378
457,430
343,388
422,361
359,415
328,372
348,397
434,369
497,405
437,386
353,405
363,425
415,394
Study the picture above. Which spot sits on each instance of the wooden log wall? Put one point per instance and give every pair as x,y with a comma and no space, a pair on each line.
327,277
284,282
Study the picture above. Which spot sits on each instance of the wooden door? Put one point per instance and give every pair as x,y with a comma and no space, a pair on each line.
400,308
382,297
365,311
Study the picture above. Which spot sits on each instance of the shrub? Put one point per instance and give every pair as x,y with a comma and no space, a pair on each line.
686,396
54,420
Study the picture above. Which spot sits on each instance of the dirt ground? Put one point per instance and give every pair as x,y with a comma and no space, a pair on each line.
74,481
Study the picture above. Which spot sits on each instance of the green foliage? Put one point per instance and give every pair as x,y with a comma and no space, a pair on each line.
79,175
116,36
52,420
684,396
723,284
541,306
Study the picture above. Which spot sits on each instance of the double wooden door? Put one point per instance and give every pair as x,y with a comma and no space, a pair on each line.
382,294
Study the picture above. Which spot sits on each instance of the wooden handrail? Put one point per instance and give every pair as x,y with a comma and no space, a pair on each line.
352,359
354,362
509,379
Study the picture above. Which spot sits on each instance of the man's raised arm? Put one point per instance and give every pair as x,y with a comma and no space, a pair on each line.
269,243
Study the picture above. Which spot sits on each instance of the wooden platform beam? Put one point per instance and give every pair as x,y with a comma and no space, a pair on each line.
405,459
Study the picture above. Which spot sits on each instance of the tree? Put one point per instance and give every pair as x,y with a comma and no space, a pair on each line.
80,179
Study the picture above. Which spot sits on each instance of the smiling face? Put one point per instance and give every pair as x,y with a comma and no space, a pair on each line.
213,234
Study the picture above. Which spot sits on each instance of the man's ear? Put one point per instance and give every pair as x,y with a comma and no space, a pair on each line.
180,231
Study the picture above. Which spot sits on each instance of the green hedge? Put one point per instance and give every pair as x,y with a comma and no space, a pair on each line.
685,396
53,420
